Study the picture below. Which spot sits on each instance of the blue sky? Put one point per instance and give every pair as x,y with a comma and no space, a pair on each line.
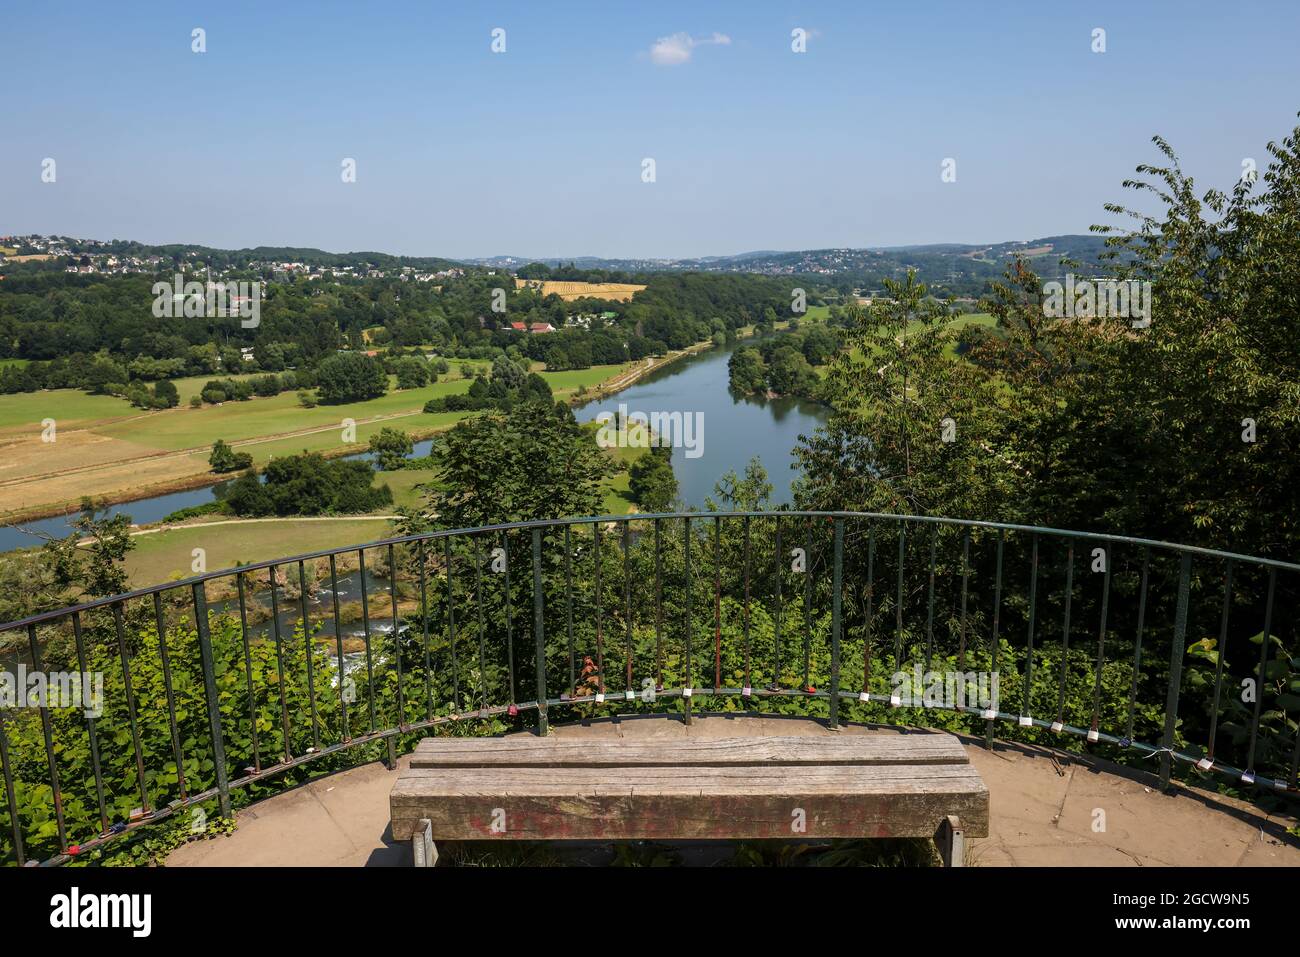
538,151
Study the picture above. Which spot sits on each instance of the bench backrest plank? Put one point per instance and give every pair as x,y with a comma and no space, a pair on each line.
523,751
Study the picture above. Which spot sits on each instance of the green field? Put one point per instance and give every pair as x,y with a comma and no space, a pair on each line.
257,418
168,554
68,407
403,484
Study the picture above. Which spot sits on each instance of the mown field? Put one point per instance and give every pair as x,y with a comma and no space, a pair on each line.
104,447
569,291
167,554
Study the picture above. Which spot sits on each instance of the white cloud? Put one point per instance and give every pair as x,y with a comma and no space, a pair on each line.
677,48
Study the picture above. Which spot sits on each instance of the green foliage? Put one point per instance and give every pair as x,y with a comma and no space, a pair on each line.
1279,722
412,373
89,561
532,461
651,480
225,459
308,484
193,511
350,377
390,448
746,371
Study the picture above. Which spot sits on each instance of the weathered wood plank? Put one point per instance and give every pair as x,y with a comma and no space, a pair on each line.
685,803
524,751
739,778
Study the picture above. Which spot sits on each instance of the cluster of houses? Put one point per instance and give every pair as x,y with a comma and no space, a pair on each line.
533,328
85,258
282,271
80,251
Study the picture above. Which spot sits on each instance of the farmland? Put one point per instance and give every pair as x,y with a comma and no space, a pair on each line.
167,553
102,447
569,291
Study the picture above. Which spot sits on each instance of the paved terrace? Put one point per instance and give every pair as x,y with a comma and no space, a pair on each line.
1042,810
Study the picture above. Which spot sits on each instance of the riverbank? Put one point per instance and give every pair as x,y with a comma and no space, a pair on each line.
156,500
651,365
727,430
620,382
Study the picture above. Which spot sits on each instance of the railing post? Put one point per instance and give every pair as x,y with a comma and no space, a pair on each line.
1175,669
15,823
993,638
539,635
48,730
210,690
686,617
836,589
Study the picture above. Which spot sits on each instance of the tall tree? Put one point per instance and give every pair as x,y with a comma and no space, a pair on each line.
531,462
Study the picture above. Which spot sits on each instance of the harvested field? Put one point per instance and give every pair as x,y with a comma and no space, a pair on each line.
569,291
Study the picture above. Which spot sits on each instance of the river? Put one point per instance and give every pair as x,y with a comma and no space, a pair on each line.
730,431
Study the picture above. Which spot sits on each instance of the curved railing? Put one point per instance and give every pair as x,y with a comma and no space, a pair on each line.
207,689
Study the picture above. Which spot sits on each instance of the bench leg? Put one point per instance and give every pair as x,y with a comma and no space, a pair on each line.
951,840
422,846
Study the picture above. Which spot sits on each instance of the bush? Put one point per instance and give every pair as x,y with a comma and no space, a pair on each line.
165,394
225,459
194,511
308,484
411,373
391,447
350,377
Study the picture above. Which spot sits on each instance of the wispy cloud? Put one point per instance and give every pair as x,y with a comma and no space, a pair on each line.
677,48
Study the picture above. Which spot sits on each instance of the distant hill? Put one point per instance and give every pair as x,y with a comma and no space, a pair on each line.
958,268
266,254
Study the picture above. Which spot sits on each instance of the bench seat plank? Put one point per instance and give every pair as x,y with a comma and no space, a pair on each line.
687,803
521,751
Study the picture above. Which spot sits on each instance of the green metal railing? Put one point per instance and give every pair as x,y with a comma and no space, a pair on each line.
216,685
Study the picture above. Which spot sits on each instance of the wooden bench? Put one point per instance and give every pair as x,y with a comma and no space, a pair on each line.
844,786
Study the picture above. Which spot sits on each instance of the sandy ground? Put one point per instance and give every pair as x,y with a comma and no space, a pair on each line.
1043,808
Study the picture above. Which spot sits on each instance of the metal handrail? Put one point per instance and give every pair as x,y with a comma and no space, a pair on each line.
517,621
645,517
